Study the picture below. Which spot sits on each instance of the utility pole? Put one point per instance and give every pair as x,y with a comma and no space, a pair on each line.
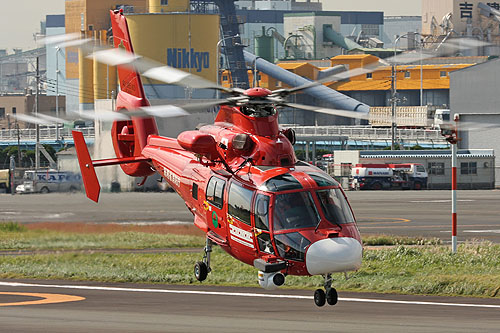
393,106
57,91
37,145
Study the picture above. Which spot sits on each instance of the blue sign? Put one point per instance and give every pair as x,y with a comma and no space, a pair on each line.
182,58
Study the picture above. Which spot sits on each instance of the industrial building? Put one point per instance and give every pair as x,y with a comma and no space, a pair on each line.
475,98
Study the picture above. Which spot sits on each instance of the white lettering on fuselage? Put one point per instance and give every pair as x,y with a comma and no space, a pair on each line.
171,177
241,236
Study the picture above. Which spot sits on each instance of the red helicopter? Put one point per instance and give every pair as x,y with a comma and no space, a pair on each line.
239,177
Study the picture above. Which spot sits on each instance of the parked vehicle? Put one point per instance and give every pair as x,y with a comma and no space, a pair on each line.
389,176
45,181
441,116
5,181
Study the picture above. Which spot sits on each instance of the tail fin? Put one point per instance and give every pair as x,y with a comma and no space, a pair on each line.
130,81
130,137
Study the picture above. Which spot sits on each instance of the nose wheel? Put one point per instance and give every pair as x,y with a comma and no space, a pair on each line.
329,295
202,268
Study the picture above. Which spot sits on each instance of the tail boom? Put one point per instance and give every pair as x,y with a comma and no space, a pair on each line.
87,166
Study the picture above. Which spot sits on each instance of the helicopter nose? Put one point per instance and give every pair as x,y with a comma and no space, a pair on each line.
330,255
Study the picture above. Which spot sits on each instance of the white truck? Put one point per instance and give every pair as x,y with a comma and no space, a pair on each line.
389,176
45,181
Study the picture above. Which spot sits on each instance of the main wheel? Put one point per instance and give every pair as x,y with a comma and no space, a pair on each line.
319,297
44,190
200,271
417,186
377,186
332,297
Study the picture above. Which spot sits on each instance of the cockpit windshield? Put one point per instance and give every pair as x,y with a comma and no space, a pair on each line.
335,206
294,210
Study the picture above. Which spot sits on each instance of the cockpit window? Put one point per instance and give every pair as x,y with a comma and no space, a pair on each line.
261,211
335,206
282,182
322,180
294,210
291,246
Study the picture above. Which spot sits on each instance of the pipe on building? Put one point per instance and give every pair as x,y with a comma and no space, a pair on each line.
333,97
337,38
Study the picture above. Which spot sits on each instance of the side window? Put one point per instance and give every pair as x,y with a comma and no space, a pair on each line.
215,191
219,192
261,211
239,202
195,191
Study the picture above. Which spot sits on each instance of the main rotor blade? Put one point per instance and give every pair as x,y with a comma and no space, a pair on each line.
56,39
333,112
32,119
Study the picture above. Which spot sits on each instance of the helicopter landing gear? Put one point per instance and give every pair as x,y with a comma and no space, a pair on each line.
202,268
330,296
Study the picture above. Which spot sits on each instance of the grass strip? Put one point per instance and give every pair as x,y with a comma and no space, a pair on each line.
54,240
430,270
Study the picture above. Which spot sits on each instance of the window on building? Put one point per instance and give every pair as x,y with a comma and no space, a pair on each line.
435,168
164,2
238,203
2,113
224,78
407,74
369,75
468,168
443,73
14,110
372,30
215,191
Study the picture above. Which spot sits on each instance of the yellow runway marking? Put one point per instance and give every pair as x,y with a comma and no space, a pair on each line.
45,298
383,220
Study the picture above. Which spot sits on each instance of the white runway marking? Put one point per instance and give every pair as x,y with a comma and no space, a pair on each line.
441,201
497,231
221,293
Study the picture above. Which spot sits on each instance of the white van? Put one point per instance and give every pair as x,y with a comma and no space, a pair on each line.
45,181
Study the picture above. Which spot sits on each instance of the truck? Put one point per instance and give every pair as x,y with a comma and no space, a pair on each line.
45,181
389,176
441,116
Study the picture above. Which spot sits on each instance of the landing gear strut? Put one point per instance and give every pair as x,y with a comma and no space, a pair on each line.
202,268
330,296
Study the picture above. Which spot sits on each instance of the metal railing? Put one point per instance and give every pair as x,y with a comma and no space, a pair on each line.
367,133
46,133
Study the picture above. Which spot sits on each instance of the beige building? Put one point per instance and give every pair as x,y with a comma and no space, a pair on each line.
464,17
26,104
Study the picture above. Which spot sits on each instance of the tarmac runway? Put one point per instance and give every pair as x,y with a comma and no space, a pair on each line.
412,213
66,306
92,307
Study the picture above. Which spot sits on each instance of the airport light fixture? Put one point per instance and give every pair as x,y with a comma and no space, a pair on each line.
218,59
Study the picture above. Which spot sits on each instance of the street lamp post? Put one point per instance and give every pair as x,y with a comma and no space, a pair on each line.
218,60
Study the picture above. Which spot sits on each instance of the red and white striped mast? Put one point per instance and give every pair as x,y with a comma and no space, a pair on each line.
454,144
451,135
